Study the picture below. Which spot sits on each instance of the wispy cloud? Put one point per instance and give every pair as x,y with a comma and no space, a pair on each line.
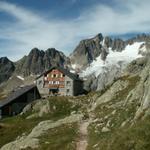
34,30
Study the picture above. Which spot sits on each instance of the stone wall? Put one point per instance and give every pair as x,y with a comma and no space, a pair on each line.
69,91
40,86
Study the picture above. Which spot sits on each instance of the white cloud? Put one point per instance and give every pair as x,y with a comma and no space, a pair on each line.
33,30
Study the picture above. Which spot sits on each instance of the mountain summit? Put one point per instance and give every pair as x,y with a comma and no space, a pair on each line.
6,68
39,61
88,50
90,53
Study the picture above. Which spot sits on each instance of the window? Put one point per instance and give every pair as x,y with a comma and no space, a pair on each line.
54,75
57,82
68,83
50,82
68,90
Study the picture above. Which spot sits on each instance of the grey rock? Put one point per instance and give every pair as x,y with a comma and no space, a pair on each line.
39,61
118,44
32,141
6,69
27,108
37,108
87,51
105,129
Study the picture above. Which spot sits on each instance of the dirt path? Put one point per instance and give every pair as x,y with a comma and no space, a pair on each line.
83,135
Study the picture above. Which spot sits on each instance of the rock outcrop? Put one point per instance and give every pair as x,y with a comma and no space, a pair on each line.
32,140
6,69
39,61
89,49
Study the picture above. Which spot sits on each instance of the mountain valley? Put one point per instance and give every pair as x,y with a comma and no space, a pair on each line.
113,115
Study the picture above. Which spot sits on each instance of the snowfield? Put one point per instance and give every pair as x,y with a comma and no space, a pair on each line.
130,53
21,78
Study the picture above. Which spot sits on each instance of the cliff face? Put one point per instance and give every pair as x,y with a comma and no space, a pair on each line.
6,69
39,61
89,49
119,114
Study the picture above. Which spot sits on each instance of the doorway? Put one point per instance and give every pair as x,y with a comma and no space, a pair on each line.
54,91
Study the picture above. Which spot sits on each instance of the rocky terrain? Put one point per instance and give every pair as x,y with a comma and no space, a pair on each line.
108,58
89,49
39,61
6,69
35,63
114,115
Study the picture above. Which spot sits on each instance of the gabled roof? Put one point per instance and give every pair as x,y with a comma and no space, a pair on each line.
64,71
15,94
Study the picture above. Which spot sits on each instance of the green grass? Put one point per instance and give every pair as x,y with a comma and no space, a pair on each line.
132,81
136,137
131,138
61,138
61,107
123,112
126,138
14,127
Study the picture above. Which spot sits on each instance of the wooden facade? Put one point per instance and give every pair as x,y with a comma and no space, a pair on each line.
54,79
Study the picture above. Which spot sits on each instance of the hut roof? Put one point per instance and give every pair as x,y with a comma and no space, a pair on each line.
64,71
15,94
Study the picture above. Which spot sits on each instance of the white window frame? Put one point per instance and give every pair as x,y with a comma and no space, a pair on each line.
51,82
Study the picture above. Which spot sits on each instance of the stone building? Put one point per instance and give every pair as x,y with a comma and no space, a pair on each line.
59,81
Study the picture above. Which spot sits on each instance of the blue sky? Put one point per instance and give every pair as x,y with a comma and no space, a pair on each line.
25,24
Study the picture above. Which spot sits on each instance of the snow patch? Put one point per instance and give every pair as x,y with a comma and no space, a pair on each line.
21,78
74,66
102,42
130,53
72,71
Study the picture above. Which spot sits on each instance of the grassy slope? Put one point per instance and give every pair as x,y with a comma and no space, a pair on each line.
63,138
11,128
133,138
126,138
60,138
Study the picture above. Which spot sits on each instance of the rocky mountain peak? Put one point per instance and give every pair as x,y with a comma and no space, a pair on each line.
4,60
36,52
39,61
89,49
6,68
99,37
118,44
